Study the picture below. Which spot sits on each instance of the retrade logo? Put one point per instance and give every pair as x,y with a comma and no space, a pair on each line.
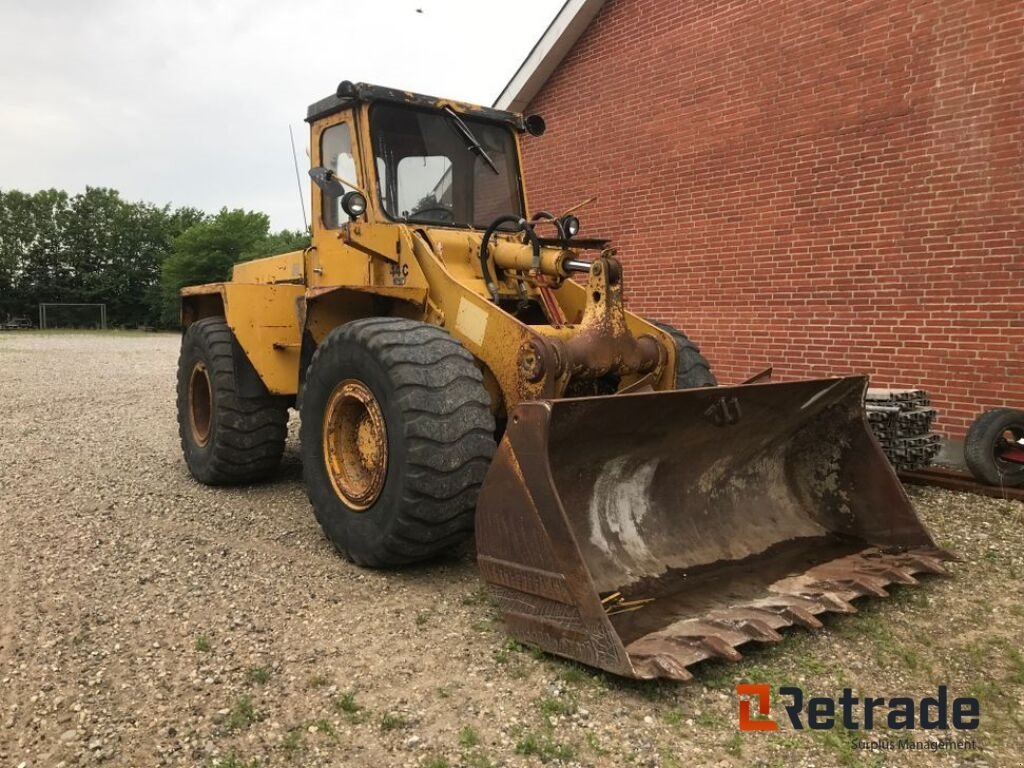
853,713
763,693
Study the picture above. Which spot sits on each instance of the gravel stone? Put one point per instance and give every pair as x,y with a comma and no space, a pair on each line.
148,620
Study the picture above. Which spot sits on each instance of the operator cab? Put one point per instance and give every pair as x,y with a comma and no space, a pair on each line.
432,162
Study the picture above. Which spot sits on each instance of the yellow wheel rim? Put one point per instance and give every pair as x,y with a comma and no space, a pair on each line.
200,403
355,444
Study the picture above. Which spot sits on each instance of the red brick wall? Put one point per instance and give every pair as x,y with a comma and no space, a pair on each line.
832,187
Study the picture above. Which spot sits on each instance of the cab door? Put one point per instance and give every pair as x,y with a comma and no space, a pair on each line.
333,261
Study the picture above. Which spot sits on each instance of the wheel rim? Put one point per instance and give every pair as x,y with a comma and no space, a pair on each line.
1010,442
355,444
200,403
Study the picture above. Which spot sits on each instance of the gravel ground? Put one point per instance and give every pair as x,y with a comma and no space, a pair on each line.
146,620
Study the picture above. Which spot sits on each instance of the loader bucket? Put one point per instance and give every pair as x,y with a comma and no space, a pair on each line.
643,533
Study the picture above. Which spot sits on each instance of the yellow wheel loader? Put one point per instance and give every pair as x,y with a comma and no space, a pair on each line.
451,376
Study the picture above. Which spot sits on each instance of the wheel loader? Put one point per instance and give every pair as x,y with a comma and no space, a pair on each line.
462,366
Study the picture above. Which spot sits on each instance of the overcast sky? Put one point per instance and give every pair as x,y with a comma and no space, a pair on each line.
188,102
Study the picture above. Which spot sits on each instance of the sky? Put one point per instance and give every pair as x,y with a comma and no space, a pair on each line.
188,102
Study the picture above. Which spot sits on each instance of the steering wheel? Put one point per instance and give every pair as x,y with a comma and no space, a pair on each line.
440,208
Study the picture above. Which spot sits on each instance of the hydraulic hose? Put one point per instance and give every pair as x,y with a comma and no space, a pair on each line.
549,216
522,226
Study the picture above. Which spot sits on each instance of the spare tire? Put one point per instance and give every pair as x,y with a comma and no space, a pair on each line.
992,436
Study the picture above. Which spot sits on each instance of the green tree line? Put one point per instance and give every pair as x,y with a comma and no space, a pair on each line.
133,256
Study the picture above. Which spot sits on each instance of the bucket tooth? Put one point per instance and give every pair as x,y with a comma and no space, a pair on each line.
717,646
692,641
660,665
927,562
770,617
753,628
895,574
831,599
863,585
792,608
801,616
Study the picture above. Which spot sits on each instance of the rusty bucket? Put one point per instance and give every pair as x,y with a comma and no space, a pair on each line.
643,533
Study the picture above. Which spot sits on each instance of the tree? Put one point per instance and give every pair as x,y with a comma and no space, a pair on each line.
285,241
32,255
206,252
133,256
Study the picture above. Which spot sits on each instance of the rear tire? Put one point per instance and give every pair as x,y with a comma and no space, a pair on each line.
226,438
982,444
692,368
414,388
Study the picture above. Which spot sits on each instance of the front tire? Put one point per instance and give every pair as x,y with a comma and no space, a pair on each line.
692,368
397,434
226,438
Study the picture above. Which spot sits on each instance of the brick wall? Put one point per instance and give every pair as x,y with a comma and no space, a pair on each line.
832,187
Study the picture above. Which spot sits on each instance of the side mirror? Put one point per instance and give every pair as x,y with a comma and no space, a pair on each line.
327,181
353,203
535,125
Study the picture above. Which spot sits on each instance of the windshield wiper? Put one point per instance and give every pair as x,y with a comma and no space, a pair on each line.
471,141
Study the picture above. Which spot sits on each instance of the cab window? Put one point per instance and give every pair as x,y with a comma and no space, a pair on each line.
336,154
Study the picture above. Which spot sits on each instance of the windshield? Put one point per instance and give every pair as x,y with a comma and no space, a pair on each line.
430,169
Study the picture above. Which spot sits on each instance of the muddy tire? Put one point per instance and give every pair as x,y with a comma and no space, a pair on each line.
692,368
989,435
226,438
397,435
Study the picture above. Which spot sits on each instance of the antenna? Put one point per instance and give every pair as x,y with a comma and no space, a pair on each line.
298,178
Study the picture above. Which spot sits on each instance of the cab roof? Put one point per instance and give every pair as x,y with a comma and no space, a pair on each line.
349,94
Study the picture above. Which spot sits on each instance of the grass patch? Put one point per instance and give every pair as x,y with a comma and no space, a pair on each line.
202,644
318,681
293,744
673,717
232,760
468,737
323,726
1016,666
711,720
505,657
346,703
477,597
544,747
734,745
551,706
595,744
391,721
842,743
436,761
258,675
243,714
576,674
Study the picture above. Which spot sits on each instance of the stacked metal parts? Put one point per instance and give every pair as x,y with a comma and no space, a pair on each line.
902,420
